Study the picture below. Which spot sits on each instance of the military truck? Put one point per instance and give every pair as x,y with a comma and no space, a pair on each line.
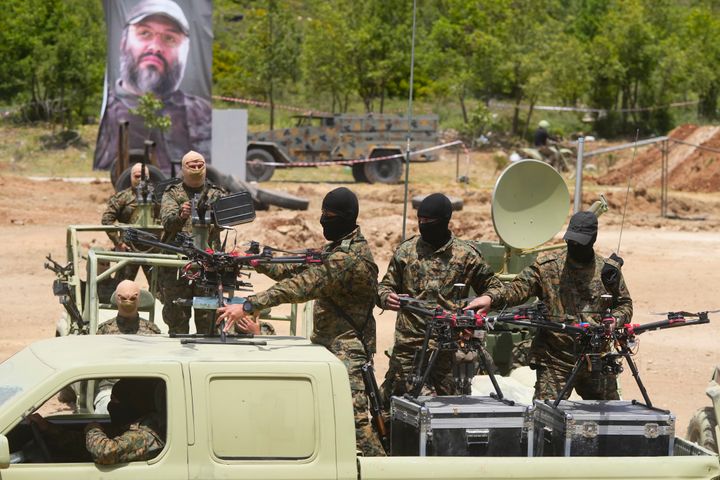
343,137
263,407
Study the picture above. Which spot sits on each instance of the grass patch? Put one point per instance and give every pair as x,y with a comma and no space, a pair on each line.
32,150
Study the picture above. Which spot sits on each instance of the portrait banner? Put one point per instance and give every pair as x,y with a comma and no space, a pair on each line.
163,47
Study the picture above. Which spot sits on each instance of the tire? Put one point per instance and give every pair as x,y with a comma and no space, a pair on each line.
213,175
281,199
456,202
135,155
701,429
255,170
123,181
384,171
358,172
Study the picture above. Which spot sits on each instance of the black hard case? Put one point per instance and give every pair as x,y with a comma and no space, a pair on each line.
460,426
603,428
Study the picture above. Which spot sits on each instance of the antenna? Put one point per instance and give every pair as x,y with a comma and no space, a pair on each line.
409,120
627,192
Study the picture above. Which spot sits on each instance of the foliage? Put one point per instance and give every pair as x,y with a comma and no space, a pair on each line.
148,108
53,53
630,58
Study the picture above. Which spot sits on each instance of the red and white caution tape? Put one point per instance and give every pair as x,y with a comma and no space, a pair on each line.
369,160
258,103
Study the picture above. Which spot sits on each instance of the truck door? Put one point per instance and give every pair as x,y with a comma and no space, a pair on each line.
65,456
262,421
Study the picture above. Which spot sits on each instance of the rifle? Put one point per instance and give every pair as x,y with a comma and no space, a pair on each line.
215,271
61,289
376,403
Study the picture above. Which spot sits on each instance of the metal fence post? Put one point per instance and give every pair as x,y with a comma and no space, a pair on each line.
578,175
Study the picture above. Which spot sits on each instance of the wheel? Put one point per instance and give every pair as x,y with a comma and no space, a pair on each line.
123,181
255,168
213,175
384,171
281,199
135,155
701,429
456,202
358,172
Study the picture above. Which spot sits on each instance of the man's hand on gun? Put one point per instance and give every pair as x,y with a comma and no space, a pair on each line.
247,322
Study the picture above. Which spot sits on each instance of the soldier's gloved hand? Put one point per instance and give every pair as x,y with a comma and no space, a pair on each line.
480,304
185,211
392,302
610,273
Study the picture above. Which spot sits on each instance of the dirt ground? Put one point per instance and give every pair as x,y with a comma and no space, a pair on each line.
670,264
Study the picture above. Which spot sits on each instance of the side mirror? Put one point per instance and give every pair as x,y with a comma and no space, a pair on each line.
4,452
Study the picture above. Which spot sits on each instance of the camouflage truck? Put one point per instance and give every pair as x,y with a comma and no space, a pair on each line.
342,137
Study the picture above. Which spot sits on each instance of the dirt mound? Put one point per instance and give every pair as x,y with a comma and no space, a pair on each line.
690,169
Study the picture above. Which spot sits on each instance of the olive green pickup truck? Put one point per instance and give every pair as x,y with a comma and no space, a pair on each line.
265,407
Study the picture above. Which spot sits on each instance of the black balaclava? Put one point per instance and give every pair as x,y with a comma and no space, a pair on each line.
344,204
131,398
436,206
581,253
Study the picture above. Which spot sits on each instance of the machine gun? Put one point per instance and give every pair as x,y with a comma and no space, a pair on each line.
61,289
463,333
218,272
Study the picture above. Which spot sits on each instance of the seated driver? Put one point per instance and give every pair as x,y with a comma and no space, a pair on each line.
136,431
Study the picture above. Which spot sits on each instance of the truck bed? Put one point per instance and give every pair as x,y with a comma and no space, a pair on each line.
690,462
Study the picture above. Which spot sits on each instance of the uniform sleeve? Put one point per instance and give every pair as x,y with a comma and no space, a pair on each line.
280,271
623,309
110,216
391,282
135,444
527,284
306,285
484,281
170,214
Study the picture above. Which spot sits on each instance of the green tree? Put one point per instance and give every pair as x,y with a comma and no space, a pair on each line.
53,54
267,53
327,54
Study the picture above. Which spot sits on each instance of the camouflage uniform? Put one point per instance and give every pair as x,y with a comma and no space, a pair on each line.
143,440
122,208
418,270
178,317
190,118
346,281
125,326
574,289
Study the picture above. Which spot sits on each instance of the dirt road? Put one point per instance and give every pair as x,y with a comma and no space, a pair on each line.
670,265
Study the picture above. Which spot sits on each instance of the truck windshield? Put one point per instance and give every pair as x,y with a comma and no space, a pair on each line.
19,373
